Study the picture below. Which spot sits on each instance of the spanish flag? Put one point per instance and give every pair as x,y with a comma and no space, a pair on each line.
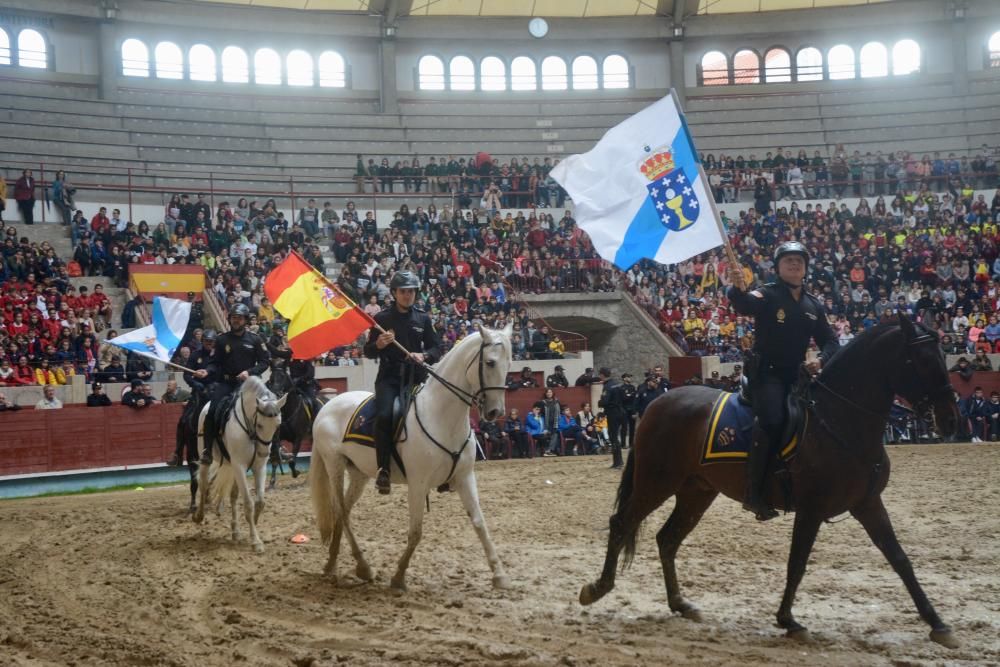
320,317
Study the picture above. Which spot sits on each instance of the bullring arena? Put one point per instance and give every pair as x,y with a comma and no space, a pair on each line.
183,149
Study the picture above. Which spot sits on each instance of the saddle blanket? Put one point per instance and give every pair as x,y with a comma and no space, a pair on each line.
730,432
361,426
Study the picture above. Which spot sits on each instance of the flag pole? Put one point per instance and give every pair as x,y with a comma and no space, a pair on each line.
166,363
730,254
329,282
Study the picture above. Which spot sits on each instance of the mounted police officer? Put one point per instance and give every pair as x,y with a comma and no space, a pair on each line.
196,362
238,354
412,328
786,317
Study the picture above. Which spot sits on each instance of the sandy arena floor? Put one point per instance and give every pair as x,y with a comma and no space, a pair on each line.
127,579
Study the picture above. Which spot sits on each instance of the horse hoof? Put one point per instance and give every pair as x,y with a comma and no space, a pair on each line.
398,584
295,473
589,594
945,638
501,582
258,548
692,613
799,635
363,572
198,516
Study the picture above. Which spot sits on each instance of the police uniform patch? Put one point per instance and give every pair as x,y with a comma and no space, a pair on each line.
228,348
780,316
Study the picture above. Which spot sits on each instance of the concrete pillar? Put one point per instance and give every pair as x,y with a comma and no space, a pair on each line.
959,58
677,68
109,60
387,76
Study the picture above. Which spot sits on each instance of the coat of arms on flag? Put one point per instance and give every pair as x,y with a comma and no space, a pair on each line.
670,189
334,302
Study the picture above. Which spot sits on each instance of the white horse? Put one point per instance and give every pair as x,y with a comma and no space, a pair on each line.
251,424
439,448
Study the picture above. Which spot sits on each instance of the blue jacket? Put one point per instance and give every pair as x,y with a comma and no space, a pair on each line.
566,423
534,425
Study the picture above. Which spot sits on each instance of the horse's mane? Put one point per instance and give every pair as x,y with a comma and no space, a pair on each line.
256,385
847,355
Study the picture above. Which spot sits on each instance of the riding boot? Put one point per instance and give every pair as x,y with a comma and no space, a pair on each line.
616,455
758,461
383,454
210,429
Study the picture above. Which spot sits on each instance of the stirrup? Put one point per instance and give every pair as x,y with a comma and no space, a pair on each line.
761,512
382,482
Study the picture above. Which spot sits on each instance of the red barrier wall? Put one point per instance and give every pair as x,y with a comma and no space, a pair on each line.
78,437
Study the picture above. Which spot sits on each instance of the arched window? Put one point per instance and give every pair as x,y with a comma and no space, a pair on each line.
874,60
840,62
31,49
169,61
746,67
615,70
905,57
554,73
332,72
584,73
809,64
493,74
523,75
430,73
777,66
267,67
461,73
4,48
201,63
300,68
714,69
135,58
235,65
993,49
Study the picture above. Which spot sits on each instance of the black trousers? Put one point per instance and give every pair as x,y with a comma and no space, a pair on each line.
615,422
27,207
770,394
627,438
386,393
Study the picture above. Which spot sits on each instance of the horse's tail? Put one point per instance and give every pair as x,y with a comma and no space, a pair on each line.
630,532
322,496
221,481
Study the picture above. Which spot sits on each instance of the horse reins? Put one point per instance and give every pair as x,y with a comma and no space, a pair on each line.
253,435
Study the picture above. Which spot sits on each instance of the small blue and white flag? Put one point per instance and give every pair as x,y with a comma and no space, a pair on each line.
160,339
639,192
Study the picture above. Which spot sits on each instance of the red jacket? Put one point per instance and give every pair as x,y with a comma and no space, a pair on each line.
24,188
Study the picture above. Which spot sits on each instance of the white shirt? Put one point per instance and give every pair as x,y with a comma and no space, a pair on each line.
45,404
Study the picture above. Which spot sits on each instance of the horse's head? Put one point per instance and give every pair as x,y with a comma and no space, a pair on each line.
266,417
489,374
280,381
921,376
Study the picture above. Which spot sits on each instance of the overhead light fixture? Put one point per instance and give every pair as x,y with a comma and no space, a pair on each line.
390,31
678,32
538,27
109,10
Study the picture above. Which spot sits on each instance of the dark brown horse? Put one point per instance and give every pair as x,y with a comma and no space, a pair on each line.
840,465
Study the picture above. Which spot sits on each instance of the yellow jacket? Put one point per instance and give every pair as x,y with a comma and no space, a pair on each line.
45,377
557,346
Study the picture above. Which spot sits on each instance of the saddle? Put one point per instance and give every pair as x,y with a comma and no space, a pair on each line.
361,426
220,413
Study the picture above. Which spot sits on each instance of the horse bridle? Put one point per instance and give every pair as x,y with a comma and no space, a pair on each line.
478,397
253,434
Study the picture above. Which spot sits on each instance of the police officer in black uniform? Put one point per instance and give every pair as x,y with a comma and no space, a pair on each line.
238,354
196,362
629,401
615,412
413,329
786,317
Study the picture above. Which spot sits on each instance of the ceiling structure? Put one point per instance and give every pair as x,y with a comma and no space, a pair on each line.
546,8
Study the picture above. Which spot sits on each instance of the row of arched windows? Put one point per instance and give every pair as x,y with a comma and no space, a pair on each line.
840,62
522,73
297,68
32,51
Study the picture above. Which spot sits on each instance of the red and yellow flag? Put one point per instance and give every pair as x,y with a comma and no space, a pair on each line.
320,316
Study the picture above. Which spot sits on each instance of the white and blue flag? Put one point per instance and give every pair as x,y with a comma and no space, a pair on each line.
639,192
160,339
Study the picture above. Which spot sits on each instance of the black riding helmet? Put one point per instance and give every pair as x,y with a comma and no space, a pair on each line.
240,309
404,280
208,336
791,248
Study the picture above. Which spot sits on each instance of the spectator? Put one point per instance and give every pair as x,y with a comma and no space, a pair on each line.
991,411
558,378
24,194
551,410
5,403
114,372
173,394
534,425
569,428
977,414
493,437
137,396
523,381
963,368
97,397
48,400
515,430
588,378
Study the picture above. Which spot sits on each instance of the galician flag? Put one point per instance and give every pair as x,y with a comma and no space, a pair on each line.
639,192
160,339
320,316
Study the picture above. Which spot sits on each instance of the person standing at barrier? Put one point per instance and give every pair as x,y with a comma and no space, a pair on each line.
24,193
97,397
413,329
238,354
615,412
629,400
